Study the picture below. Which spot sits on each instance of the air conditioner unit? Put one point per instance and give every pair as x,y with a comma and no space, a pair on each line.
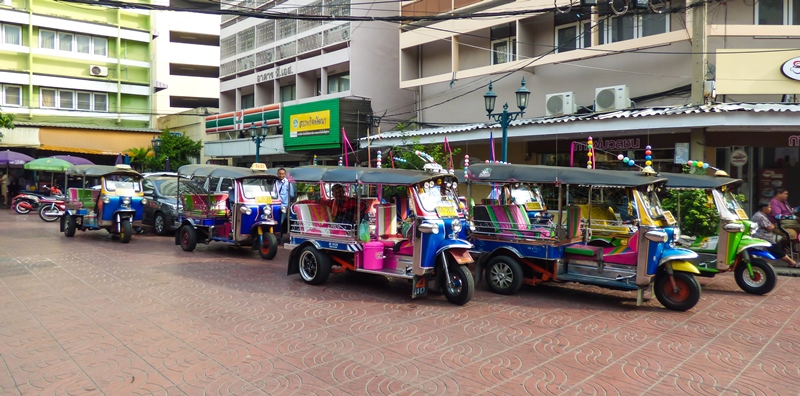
99,71
611,98
560,104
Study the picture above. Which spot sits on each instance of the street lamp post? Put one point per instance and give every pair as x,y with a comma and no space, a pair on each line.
257,135
505,118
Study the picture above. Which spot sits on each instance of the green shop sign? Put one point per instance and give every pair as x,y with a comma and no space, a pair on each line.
312,126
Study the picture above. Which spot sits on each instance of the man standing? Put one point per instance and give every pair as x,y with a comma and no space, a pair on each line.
4,189
783,212
285,192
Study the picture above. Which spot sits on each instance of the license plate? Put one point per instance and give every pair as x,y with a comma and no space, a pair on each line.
420,286
533,206
462,257
264,199
446,211
741,213
669,217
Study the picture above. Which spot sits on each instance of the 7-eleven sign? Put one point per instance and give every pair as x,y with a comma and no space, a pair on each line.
238,120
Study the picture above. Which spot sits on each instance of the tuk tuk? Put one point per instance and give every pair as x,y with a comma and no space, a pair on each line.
733,249
114,205
246,215
514,251
429,252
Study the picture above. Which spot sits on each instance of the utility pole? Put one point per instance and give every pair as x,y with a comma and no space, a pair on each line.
699,14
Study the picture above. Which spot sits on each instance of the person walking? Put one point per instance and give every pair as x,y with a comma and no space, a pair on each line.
765,228
285,192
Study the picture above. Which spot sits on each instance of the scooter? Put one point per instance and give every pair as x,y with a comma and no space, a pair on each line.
25,202
51,209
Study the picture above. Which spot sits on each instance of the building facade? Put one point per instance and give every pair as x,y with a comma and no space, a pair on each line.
75,76
273,64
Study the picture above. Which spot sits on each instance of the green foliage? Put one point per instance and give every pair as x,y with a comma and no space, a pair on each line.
179,149
139,157
412,161
698,217
7,122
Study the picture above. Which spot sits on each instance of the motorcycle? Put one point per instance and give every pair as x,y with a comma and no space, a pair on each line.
24,203
51,209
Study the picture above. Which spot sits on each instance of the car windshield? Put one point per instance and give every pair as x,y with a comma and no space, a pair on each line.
169,187
122,182
438,195
258,187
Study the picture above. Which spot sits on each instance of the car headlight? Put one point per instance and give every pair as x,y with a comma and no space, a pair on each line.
106,200
456,224
245,210
126,200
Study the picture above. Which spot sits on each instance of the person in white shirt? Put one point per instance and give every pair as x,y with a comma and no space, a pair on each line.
285,192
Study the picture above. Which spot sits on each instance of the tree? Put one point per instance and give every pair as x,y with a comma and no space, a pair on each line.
139,156
7,122
178,148
410,160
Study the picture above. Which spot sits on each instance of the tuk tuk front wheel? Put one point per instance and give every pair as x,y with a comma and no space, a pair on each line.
504,275
269,248
125,231
461,287
684,298
315,266
69,226
188,238
762,281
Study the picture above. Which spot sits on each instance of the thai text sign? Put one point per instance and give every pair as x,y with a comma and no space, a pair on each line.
315,123
613,144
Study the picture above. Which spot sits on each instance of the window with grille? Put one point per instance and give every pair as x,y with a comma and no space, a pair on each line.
227,68
777,12
71,100
265,33
286,28
314,8
12,95
337,7
246,39
12,34
228,46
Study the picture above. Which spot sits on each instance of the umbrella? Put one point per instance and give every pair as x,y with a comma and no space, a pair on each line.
119,160
10,158
48,165
73,160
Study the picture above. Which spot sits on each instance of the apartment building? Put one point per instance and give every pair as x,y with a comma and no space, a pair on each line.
76,77
277,71
696,83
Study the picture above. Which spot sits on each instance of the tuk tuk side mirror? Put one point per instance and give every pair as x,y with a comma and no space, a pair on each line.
656,236
733,227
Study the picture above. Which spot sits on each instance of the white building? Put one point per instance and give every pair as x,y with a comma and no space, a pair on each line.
289,62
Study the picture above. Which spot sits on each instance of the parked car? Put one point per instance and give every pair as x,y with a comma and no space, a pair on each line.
161,210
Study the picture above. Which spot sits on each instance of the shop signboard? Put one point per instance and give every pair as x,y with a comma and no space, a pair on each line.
313,125
681,153
738,157
791,68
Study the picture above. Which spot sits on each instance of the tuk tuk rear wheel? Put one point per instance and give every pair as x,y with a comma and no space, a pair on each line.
188,238
763,280
687,295
269,248
125,231
69,226
463,284
315,266
504,275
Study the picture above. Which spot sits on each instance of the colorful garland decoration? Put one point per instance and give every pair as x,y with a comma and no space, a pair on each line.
590,164
378,163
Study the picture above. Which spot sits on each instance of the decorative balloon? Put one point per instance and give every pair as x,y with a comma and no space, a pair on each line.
340,161
315,159
378,162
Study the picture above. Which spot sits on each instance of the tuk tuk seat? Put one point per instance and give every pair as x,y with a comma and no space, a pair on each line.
82,197
386,223
508,221
603,219
315,218
214,205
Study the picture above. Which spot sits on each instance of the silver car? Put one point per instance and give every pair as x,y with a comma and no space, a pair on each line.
161,210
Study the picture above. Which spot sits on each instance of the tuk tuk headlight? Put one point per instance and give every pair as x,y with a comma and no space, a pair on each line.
283,209
126,200
267,210
245,210
106,200
753,229
456,224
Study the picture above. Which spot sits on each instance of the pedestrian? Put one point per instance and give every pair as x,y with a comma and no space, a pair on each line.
765,228
4,188
781,211
284,191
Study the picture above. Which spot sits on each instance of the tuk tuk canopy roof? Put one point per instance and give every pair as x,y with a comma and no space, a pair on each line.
340,174
233,172
505,173
100,170
697,182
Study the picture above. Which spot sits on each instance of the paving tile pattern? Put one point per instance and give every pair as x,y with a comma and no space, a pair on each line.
89,315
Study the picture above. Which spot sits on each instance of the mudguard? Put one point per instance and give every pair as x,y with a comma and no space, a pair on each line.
760,253
684,266
671,253
452,243
748,243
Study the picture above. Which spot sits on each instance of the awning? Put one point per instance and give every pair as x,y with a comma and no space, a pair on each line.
20,137
93,141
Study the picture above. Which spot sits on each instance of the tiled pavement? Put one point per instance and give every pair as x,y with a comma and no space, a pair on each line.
89,315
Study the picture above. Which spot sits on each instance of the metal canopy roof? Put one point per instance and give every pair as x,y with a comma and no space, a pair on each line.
339,174
100,170
699,182
233,172
504,173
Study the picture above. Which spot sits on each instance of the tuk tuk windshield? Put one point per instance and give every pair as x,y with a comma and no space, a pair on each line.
121,182
652,204
438,196
731,202
258,187
528,196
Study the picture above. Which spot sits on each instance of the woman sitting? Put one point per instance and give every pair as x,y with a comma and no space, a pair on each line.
764,232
